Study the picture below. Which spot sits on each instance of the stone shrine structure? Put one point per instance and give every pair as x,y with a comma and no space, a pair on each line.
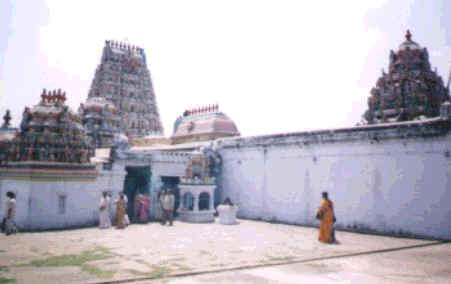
197,190
410,90
123,78
101,120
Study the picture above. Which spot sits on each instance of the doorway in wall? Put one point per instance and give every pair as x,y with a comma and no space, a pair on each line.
136,181
172,183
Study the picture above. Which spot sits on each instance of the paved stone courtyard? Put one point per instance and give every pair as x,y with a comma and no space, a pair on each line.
150,251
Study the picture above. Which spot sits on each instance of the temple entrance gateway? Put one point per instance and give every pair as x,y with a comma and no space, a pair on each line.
137,181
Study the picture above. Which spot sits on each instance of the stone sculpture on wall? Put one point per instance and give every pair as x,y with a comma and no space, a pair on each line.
214,160
202,167
120,146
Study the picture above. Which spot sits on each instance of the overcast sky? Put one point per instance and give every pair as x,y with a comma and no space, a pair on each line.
272,66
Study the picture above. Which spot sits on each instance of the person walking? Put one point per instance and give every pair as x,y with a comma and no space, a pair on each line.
167,201
327,219
9,225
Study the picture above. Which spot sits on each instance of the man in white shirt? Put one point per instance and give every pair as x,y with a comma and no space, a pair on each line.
167,201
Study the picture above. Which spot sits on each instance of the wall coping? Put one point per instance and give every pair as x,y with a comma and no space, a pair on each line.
373,133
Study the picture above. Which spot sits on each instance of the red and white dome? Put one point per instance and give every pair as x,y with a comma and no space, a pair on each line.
205,126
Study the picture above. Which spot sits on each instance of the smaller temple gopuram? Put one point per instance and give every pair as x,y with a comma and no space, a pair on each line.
101,121
48,166
50,132
410,90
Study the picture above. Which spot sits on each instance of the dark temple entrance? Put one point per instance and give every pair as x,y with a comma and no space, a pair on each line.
136,181
172,183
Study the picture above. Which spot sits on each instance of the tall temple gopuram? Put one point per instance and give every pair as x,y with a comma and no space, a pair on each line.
410,90
123,78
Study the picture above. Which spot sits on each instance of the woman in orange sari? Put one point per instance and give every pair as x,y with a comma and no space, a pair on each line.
120,212
327,217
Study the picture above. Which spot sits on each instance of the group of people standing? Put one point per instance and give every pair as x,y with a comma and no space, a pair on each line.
106,211
140,213
325,213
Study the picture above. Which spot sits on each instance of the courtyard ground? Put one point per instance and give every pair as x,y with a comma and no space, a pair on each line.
250,252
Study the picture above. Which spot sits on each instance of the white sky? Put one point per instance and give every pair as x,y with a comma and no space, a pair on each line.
272,66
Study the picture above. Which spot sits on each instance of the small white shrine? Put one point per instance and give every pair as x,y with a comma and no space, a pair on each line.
197,190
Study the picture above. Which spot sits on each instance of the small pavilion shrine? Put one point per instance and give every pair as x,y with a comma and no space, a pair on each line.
197,191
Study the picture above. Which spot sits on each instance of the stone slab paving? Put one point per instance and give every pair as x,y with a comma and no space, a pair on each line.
426,265
92,255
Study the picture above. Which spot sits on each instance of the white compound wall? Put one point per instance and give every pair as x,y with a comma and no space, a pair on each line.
396,186
38,204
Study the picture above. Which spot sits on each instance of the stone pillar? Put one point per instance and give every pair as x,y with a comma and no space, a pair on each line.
181,202
212,197
196,202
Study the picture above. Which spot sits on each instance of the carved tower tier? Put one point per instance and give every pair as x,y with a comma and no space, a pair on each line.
123,78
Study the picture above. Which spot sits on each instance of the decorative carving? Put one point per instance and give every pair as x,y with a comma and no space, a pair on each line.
395,96
123,79
191,126
50,132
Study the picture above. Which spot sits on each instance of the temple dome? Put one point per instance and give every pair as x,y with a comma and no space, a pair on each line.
203,125
409,43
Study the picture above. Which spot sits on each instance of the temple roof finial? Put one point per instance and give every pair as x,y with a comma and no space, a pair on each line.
408,35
